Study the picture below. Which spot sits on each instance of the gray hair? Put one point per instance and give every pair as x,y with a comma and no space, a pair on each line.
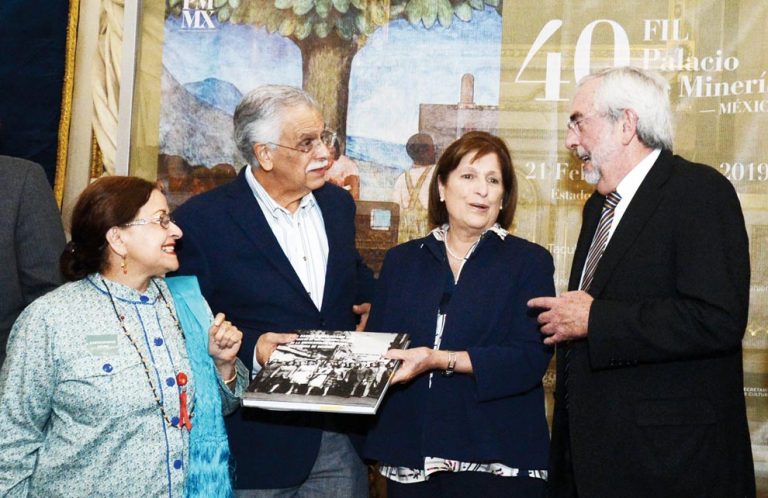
258,117
645,92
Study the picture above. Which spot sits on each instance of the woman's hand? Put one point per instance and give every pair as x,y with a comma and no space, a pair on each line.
415,361
224,341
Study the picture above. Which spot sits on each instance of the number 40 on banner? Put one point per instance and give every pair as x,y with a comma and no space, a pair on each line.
581,57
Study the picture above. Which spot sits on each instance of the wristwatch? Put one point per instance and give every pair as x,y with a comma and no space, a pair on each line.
451,364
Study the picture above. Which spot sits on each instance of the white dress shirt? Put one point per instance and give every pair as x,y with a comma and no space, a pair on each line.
627,187
301,235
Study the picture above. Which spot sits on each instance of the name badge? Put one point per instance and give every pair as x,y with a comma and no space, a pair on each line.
101,345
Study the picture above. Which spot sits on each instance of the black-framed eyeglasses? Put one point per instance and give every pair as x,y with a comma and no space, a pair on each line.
577,125
327,138
163,220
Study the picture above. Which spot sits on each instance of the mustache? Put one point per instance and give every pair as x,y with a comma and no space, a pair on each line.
314,165
582,154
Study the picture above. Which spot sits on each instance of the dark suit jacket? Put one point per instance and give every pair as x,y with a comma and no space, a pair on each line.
655,393
496,414
31,240
244,273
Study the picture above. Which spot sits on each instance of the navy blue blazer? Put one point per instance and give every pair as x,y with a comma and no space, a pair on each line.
496,414
244,273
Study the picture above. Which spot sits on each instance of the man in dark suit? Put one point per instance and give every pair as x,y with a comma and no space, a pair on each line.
31,240
275,251
649,396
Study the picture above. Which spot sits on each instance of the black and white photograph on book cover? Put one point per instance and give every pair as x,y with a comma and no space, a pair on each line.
337,371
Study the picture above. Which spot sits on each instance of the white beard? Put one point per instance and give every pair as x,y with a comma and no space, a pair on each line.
594,174
597,158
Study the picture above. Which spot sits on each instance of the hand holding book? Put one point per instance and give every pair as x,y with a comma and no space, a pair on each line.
268,342
416,361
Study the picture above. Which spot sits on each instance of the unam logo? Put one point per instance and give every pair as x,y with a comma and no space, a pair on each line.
196,15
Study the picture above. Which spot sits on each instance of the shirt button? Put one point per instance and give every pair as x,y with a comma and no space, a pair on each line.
158,341
170,381
175,421
107,367
177,464
144,299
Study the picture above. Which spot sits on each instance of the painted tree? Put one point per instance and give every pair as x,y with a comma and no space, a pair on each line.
330,32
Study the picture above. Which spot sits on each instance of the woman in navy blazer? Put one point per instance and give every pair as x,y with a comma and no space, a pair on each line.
466,417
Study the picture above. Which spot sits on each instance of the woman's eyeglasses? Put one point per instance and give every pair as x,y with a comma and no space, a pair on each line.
163,220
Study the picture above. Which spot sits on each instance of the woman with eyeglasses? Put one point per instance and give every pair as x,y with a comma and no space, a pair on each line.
115,382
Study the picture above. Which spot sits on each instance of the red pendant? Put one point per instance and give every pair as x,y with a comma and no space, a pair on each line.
184,420
181,379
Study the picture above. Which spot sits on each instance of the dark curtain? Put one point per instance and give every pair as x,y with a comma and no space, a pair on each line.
32,56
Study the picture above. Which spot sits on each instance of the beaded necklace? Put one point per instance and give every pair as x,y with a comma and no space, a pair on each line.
450,253
466,255
181,377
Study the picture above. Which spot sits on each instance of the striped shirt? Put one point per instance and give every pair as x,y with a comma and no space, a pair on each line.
301,235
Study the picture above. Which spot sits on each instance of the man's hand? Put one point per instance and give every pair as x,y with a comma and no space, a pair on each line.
565,318
363,310
268,342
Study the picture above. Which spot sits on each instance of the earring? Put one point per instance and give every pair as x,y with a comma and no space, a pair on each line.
442,199
124,266
501,207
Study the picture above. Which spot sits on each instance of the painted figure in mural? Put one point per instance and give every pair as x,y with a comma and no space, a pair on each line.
181,181
649,396
343,171
106,375
275,249
201,179
411,189
31,240
466,417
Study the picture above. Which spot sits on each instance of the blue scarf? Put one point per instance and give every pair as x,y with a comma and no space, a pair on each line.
208,469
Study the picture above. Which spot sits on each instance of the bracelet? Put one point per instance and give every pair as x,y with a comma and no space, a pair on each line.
451,364
234,378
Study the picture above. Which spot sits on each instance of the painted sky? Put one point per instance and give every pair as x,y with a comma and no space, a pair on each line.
240,54
400,67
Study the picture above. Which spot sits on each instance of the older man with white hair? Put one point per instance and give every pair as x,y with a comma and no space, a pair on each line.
649,396
275,251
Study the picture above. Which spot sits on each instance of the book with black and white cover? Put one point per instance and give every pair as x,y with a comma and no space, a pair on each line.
327,371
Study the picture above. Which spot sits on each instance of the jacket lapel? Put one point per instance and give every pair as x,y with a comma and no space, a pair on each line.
245,212
638,213
334,232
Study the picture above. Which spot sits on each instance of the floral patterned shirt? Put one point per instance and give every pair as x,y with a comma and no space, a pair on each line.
78,416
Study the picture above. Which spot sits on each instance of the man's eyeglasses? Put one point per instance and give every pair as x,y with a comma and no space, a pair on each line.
577,125
327,138
163,220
